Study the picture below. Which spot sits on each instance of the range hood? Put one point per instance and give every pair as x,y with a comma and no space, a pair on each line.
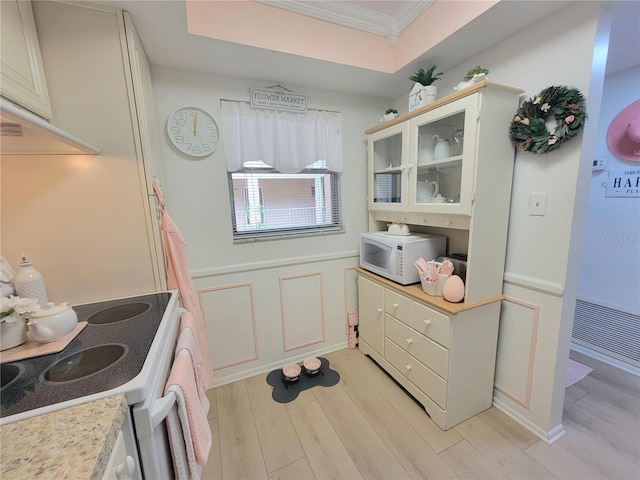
24,133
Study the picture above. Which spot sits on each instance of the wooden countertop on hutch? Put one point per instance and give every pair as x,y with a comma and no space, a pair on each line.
415,291
442,101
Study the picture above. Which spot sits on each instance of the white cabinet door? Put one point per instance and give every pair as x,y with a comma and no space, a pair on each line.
147,143
371,313
22,73
389,167
443,146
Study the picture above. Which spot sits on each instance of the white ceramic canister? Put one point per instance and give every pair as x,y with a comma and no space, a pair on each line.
29,283
441,149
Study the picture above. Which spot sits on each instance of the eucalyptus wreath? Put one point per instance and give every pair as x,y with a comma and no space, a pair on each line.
529,130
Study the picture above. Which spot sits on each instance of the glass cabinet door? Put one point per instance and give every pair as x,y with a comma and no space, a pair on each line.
388,168
443,144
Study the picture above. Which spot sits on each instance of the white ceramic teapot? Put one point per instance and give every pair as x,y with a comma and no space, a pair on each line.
52,323
441,149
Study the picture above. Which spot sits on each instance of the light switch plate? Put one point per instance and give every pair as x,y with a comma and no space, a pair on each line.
599,164
538,203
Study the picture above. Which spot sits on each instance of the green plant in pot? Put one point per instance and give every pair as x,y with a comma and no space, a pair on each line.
426,77
423,91
389,114
475,71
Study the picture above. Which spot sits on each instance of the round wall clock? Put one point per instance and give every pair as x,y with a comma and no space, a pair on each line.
193,131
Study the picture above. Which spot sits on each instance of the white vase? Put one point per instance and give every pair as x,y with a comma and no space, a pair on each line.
13,332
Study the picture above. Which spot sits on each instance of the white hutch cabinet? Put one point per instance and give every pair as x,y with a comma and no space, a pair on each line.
445,168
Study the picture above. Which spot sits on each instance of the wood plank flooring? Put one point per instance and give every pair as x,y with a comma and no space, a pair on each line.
366,427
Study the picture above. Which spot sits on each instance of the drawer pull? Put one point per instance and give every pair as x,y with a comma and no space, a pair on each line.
379,310
407,368
409,341
395,305
427,323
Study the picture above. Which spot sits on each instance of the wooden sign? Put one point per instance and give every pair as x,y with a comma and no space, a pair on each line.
266,98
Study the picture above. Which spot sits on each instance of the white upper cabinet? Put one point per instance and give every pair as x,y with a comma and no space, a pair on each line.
428,161
443,144
22,73
389,168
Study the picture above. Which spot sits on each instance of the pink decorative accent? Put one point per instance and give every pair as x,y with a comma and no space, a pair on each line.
623,136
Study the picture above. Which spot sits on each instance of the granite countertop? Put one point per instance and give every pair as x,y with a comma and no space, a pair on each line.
72,443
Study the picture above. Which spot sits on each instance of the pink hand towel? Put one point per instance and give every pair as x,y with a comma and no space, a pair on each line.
192,407
188,321
187,342
178,277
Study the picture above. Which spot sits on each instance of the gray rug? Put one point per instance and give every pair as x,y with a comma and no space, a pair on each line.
284,392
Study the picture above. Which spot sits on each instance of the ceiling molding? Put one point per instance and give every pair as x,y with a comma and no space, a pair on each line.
348,14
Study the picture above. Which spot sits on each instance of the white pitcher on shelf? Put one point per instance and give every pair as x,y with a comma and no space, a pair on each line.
427,191
442,148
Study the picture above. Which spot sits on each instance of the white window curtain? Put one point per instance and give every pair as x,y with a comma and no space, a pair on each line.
284,140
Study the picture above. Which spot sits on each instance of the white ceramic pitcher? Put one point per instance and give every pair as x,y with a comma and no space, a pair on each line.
427,191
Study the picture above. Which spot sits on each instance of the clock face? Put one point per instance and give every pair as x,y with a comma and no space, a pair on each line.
193,131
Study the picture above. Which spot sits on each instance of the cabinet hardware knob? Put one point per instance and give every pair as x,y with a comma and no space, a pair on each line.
379,310
125,470
427,323
407,368
395,305
409,341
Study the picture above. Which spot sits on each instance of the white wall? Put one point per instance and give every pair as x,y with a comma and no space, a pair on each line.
610,265
539,276
253,319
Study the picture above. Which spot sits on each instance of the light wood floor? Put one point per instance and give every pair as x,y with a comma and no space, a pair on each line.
367,427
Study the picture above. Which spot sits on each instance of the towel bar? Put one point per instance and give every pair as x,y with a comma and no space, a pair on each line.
161,408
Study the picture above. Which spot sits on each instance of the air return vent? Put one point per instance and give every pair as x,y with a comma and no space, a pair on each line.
608,331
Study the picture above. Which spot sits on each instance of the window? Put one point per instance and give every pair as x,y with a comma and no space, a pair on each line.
288,180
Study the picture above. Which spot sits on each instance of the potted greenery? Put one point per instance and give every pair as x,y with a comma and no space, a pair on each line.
423,91
389,114
474,75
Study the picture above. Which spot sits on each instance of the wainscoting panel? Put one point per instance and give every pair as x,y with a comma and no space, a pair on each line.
232,335
516,350
302,309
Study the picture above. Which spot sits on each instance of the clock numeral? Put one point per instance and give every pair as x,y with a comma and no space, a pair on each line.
179,139
189,145
175,130
181,121
206,147
197,150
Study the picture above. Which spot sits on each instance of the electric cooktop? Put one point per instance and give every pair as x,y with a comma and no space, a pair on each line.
109,352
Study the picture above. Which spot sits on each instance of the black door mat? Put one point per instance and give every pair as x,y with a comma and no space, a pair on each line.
284,391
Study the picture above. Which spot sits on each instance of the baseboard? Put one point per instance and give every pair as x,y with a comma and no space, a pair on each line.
252,372
547,437
605,359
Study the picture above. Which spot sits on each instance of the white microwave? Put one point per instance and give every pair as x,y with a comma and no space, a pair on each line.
393,256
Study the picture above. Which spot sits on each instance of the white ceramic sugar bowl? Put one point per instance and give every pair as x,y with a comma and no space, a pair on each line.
52,323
